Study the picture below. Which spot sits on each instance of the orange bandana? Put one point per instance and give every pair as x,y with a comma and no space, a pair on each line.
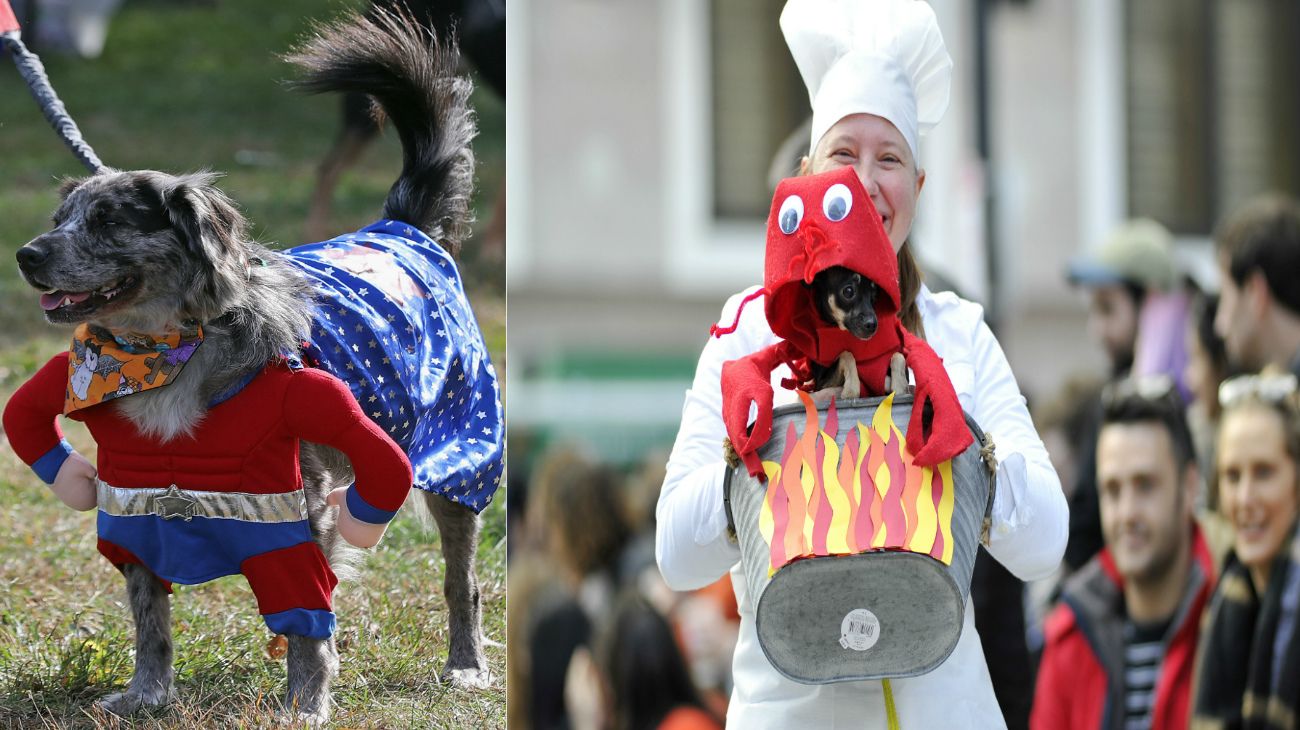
103,366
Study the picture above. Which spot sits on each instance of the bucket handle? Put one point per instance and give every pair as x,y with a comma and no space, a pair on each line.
990,460
726,505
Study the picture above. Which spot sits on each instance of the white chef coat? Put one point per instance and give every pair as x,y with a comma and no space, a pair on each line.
1030,527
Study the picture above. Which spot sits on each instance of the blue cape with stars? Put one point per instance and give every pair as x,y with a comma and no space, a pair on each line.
394,324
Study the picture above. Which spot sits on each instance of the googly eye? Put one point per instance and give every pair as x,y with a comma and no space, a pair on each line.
837,202
790,215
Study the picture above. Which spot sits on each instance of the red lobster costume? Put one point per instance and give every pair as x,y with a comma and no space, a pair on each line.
817,222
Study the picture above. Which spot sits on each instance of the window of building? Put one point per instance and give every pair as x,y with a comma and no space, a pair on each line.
758,101
1213,100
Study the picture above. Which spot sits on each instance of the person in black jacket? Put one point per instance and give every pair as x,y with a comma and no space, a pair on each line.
1118,277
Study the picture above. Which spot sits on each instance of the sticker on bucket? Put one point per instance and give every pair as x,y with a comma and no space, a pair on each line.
860,630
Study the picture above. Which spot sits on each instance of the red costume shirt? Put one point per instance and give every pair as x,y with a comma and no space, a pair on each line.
246,448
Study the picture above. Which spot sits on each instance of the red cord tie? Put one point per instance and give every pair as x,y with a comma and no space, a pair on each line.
815,244
716,331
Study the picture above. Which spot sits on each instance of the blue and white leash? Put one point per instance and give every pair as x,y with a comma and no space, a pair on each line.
33,72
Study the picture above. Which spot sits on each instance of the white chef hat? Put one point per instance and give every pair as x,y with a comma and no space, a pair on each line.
882,57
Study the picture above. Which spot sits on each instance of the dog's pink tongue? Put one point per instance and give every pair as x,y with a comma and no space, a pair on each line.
52,301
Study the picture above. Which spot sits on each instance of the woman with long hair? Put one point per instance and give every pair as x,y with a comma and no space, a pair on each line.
1248,673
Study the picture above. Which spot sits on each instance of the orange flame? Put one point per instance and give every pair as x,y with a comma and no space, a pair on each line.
822,500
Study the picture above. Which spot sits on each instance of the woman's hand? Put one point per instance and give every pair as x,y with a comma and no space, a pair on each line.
74,485
358,533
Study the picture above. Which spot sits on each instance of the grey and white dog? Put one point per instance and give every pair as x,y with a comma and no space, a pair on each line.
144,251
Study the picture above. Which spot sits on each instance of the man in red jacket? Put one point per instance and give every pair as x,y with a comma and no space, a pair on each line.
1120,645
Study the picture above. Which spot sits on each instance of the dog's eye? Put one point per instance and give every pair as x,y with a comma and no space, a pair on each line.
790,215
101,217
837,202
849,292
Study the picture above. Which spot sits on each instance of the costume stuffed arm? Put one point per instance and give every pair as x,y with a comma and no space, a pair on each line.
31,419
319,408
31,425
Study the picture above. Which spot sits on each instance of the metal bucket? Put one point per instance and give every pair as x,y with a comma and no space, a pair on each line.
859,561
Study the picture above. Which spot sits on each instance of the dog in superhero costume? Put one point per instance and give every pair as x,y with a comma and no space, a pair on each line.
818,222
218,453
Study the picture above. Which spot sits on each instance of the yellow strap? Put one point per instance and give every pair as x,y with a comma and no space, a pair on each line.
891,714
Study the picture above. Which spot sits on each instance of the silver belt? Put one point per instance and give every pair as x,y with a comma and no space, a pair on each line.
185,504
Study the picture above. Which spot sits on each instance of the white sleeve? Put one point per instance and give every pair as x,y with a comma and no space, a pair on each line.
691,544
1030,516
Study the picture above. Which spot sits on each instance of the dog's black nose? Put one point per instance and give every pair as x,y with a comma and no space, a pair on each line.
30,257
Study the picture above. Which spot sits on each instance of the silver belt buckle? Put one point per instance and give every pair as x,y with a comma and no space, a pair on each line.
174,503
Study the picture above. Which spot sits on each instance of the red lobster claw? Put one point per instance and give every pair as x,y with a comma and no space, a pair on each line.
743,383
949,435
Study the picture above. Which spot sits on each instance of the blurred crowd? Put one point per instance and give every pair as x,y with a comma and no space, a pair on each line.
1176,603
597,640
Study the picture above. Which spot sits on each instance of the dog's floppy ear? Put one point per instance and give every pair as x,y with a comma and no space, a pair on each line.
213,230
205,220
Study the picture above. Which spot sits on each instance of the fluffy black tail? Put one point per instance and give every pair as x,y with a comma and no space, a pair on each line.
413,77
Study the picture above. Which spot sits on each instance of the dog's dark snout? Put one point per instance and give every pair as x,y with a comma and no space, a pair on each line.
31,256
863,326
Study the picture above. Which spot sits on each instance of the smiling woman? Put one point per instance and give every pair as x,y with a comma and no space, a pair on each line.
1257,476
1249,666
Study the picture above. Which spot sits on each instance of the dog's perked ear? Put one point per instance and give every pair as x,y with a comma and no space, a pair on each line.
214,232
68,184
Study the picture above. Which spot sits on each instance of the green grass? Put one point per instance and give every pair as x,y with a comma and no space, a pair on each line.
184,87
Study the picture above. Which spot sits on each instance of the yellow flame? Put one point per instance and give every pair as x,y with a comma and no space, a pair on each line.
837,537
926,517
766,525
883,420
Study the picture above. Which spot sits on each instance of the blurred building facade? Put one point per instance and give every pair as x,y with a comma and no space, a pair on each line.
641,136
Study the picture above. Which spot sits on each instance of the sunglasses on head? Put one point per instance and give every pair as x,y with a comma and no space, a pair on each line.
1154,388
1268,388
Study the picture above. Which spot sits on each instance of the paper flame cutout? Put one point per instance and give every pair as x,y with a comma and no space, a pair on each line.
870,496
